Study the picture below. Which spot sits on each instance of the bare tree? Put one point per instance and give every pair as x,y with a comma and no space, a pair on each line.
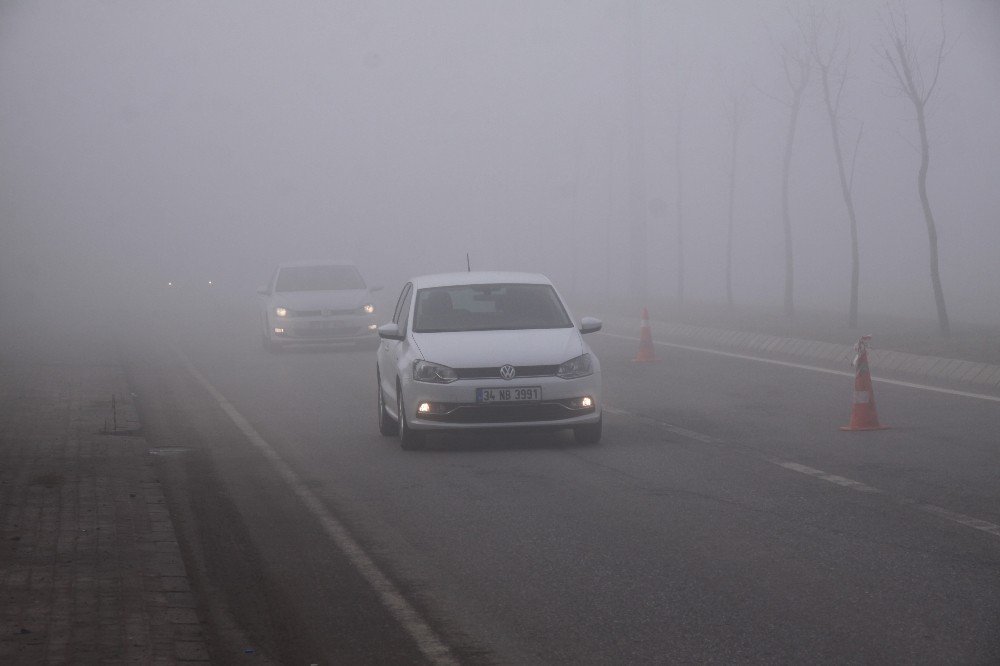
796,65
832,58
636,159
916,79
735,108
679,200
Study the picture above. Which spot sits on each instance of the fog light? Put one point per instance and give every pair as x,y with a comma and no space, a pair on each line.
585,402
433,407
372,327
279,331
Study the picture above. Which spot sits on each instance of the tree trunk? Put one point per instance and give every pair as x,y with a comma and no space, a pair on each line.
732,198
636,161
942,313
845,190
785,216
680,214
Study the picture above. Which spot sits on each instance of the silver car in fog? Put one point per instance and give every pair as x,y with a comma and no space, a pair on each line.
317,303
486,350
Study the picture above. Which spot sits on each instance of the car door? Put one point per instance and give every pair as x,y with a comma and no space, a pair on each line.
389,350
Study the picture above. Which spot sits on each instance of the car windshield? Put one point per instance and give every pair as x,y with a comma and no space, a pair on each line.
488,307
318,278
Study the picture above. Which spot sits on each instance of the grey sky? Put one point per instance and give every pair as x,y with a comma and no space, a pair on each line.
144,140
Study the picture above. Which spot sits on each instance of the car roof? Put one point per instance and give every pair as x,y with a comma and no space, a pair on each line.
294,264
478,277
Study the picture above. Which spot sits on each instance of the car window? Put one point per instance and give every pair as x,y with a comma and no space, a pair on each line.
399,304
488,307
404,311
318,278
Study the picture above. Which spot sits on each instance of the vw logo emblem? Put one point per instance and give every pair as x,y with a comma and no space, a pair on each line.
507,371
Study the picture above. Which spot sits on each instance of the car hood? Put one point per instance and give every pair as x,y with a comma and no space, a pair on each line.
483,349
341,299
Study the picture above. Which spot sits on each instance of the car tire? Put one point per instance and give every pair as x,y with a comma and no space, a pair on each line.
590,433
409,439
387,426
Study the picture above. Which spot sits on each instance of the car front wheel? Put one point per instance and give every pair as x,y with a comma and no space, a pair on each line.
590,433
409,440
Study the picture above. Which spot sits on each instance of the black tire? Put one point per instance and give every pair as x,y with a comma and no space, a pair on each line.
409,439
387,426
590,433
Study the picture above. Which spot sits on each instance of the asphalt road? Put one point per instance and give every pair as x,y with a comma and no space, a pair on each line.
723,518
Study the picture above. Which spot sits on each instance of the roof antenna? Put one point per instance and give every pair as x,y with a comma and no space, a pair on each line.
468,265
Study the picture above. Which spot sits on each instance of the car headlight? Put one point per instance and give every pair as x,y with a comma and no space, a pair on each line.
281,312
425,371
368,308
581,366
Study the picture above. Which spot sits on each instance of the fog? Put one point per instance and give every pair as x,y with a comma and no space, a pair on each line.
142,142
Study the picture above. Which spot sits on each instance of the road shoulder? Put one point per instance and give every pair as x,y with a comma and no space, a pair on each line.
90,567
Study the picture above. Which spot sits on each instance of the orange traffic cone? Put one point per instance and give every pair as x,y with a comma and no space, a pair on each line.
646,352
863,413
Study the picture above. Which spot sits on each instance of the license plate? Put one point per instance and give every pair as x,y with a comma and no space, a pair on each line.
513,394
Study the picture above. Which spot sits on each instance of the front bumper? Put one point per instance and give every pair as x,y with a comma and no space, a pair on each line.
322,330
454,406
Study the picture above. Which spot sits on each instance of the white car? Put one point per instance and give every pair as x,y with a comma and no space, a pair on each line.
486,350
310,303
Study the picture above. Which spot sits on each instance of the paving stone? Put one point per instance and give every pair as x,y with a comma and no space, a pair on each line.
988,372
174,584
956,369
973,371
89,526
190,651
799,347
181,615
181,600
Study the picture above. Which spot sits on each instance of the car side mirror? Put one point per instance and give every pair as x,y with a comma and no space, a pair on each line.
590,325
263,291
390,332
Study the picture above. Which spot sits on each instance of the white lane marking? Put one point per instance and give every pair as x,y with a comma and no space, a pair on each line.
832,478
953,516
968,521
669,427
426,639
801,366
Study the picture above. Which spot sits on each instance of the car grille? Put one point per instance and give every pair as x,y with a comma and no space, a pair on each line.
521,372
515,413
327,333
322,313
